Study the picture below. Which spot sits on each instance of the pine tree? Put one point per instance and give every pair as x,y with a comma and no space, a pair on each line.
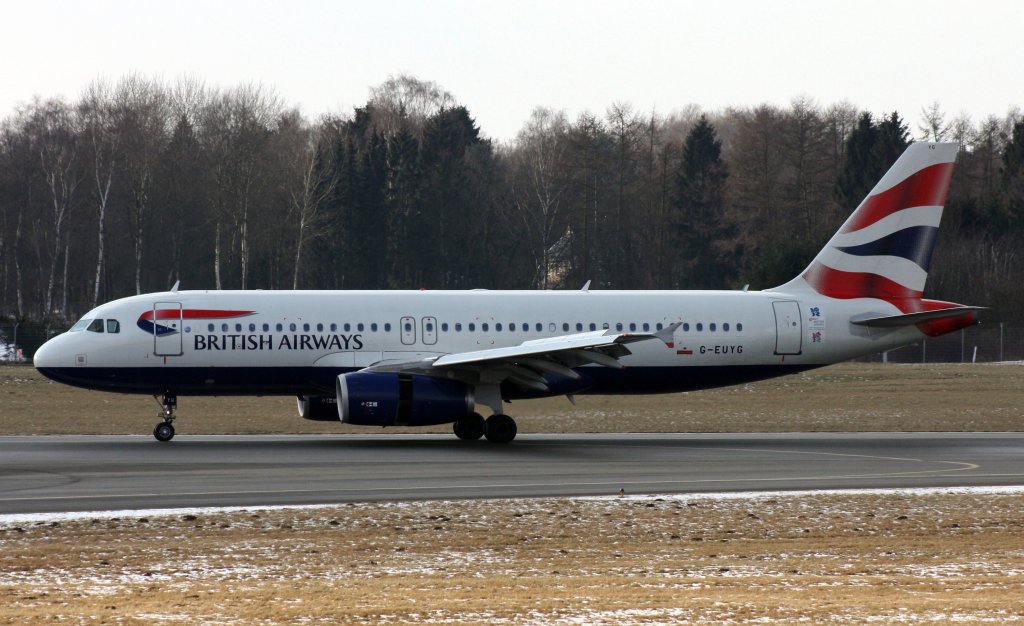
701,230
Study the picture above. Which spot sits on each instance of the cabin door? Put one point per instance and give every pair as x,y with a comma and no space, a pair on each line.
788,331
167,329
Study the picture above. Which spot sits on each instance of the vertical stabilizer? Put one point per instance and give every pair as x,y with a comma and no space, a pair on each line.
885,247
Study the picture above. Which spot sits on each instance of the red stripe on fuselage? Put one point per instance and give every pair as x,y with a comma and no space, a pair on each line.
928,187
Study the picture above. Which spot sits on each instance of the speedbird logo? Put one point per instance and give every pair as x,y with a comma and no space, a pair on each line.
158,322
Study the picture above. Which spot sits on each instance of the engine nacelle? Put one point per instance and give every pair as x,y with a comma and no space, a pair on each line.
318,408
391,399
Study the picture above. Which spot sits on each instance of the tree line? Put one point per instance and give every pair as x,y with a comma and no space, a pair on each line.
138,184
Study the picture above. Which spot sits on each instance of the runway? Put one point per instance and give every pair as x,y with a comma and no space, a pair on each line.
91,473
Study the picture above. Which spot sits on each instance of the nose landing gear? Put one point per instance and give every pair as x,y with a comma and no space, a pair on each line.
164,430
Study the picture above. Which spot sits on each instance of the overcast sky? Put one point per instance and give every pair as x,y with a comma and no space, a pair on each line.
502,59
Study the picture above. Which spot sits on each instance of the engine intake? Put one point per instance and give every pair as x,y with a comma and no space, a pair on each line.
391,399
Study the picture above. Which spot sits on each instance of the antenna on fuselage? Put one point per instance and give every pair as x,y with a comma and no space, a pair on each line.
586,286
174,289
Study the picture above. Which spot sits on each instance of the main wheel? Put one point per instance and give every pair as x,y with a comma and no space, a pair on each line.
470,427
164,431
500,429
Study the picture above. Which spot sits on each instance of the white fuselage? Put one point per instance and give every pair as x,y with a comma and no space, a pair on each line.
296,342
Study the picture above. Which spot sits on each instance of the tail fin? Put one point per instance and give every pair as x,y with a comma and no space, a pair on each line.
885,247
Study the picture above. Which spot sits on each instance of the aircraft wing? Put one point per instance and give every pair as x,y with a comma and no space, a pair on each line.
526,363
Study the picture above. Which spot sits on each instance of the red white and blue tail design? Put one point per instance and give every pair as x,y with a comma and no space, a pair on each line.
884,248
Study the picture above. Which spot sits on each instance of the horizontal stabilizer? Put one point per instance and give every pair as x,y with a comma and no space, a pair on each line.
908,319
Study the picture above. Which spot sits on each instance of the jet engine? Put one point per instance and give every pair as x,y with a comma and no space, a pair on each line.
393,399
318,408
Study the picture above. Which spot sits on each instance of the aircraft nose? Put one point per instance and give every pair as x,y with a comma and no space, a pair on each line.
47,355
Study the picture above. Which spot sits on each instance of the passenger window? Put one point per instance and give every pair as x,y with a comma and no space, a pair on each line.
658,326
632,326
686,327
210,327
539,327
483,327
458,327
348,327
739,327
472,327
712,327
319,328
266,327
565,327
238,328
444,327
511,327
96,326
408,327
430,327
605,326
224,328
334,327
280,327
497,327
359,327
725,327
593,326
292,327
618,326
700,326
373,327
252,328
579,326
647,327
387,327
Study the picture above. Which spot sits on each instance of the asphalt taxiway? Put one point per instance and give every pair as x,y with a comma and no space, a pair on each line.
91,473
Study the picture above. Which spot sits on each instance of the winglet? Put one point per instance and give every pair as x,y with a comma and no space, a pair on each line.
665,334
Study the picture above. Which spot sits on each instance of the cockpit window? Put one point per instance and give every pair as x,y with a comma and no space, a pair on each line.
80,325
113,326
96,326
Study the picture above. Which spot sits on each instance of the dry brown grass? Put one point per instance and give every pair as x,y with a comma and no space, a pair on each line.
856,558
846,397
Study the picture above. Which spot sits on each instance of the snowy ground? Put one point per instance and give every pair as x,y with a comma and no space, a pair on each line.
875,556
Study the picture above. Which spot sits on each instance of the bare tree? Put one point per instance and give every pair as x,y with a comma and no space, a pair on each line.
55,138
102,138
237,127
933,125
538,158
143,113
406,100
311,180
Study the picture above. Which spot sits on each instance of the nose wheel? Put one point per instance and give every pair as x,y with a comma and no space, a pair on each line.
164,431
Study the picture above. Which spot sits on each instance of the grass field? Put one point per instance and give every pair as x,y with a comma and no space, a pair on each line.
845,397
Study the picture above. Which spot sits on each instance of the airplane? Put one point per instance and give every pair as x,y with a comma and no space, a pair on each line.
424,358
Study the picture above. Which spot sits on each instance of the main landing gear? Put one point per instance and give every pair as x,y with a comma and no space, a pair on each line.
498,428
164,430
